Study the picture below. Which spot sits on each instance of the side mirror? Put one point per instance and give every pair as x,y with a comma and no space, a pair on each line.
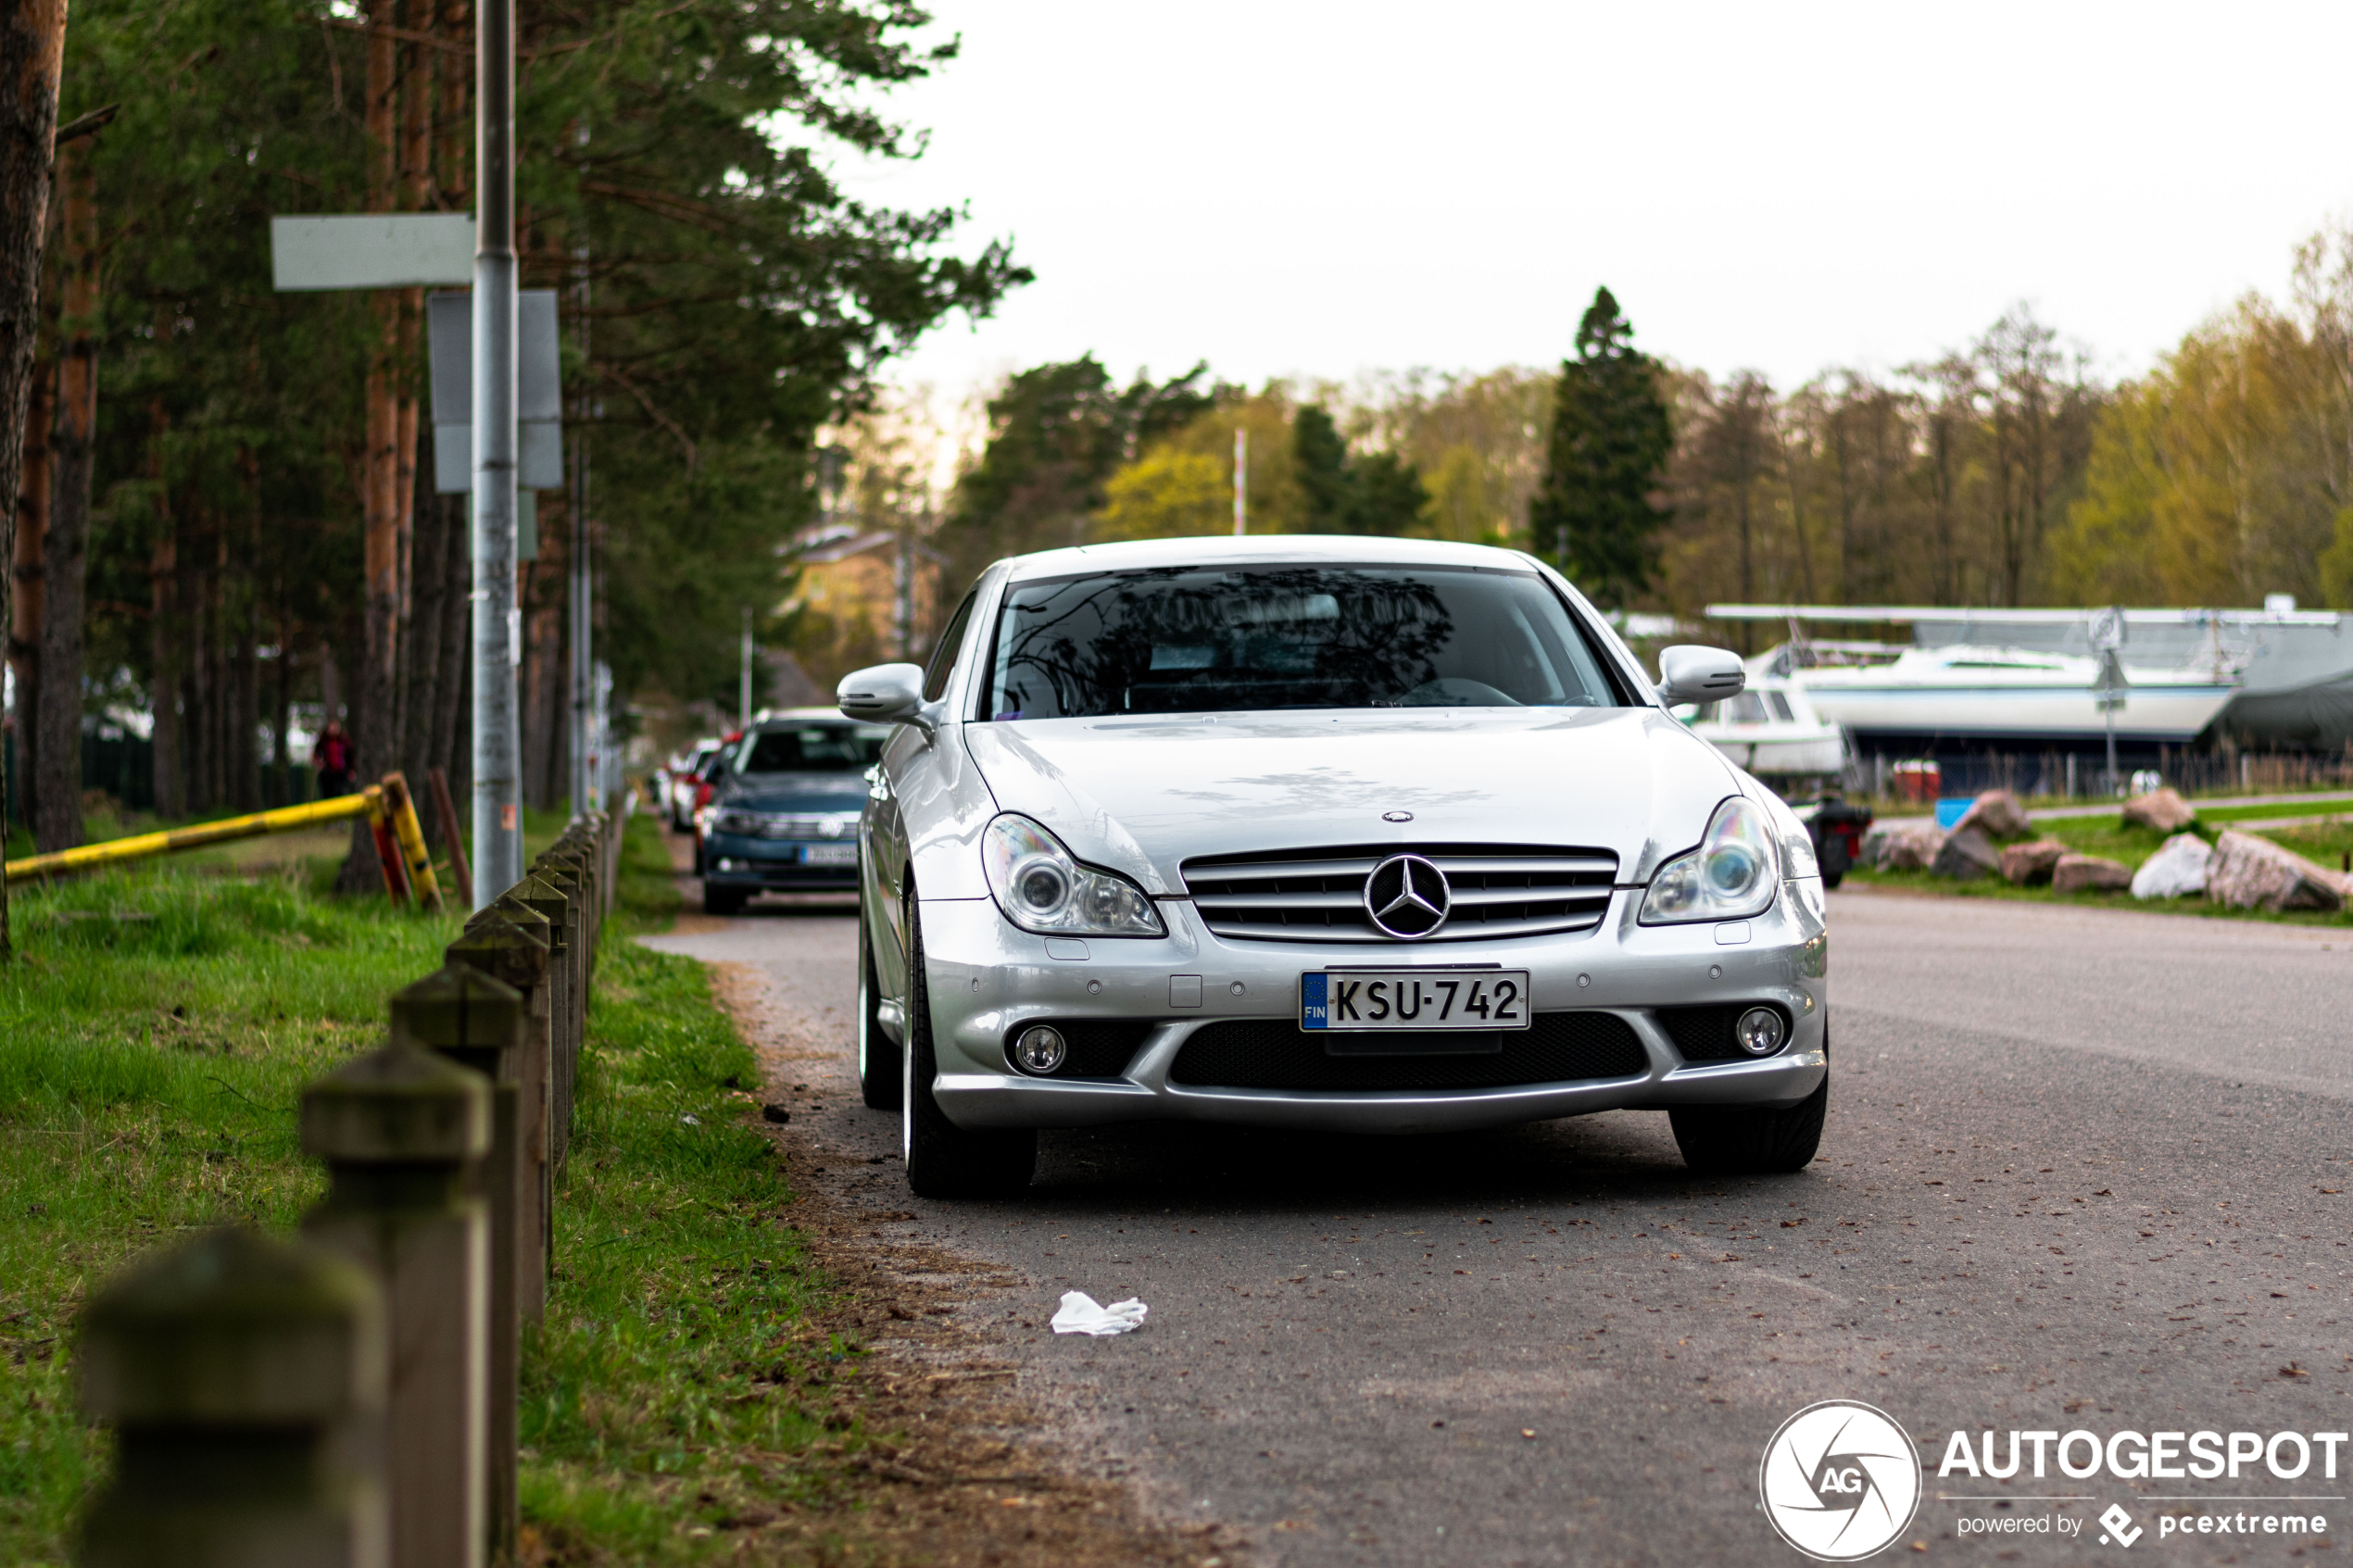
887,694
1687,673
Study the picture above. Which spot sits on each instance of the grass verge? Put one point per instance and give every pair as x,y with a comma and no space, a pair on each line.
673,1390
155,1031
154,1036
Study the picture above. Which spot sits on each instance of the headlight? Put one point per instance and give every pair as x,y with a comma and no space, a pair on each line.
748,823
1731,875
1041,888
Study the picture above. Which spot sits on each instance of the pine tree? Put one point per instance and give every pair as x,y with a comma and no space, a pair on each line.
1610,444
1379,493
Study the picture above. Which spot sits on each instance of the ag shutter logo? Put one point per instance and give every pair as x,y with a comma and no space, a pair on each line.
1839,1481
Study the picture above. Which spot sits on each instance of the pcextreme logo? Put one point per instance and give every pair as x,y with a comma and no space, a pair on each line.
1840,1480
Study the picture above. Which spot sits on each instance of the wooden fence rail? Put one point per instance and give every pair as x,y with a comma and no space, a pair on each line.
348,1400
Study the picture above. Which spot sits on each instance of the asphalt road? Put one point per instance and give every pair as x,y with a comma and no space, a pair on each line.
2084,1169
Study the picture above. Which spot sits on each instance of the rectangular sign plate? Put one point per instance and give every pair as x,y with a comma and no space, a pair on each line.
829,854
372,250
1359,999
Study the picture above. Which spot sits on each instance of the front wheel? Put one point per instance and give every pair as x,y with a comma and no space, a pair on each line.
722,900
1746,1140
943,1159
878,1060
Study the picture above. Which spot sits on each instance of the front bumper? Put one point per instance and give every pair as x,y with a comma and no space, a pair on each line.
987,979
733,860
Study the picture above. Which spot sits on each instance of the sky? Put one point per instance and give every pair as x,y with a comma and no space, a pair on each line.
1322,190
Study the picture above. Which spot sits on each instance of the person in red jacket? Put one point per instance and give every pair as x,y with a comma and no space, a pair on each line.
332,756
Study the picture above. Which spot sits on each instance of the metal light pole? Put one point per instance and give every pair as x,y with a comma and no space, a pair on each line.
498,801
585,739
1241,480
743,689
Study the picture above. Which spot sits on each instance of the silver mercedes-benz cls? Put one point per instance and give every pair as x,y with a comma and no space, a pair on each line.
1378,835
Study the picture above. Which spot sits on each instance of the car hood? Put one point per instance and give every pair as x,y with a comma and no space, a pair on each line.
1143,796
795,792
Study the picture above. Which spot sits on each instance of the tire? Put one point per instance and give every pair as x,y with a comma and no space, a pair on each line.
880,1065
943,1159
722,900
1738,1140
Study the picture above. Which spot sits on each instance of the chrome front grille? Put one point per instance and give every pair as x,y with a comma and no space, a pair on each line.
1318,895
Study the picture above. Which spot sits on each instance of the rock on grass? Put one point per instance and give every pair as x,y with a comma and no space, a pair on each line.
2090,873
2163,810
1967,853
2247,872
2176,870
2032,863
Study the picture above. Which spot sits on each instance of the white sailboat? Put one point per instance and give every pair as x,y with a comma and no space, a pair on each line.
2008,694
1771,728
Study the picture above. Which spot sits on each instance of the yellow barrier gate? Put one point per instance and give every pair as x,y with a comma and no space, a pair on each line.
400,840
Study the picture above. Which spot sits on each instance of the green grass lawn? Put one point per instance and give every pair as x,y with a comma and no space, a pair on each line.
156,1032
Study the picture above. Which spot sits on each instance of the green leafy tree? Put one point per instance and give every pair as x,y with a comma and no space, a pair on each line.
1611,440
1056,436
1378,492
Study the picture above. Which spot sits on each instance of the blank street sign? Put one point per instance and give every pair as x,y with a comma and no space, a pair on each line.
372,250
449,332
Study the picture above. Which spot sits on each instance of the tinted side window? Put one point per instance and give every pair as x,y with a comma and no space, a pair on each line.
943,657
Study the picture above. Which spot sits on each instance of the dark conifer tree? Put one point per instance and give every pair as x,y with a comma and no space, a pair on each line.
1611,440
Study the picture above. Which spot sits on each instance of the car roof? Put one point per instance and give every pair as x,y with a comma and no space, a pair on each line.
809,715
1261,550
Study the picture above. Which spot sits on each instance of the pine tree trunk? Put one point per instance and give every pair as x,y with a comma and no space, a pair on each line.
32,42
422,647
24,631
163,643
282,792
58,824
375,732
452,724
245,719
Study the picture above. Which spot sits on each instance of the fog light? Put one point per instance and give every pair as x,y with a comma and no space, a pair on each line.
1759,1031
1041,1050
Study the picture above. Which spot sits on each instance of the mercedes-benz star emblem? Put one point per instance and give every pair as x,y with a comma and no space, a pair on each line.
1407,897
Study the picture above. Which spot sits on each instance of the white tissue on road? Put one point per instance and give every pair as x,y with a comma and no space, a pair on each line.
1079,1314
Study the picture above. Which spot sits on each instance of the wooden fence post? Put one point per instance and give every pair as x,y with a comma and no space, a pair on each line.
245,1381
402,1131
476,1022
509,942
549,901
560,870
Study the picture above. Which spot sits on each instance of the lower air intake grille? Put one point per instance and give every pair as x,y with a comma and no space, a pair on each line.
1274,1053
1705,1034
1495,890
1099,1048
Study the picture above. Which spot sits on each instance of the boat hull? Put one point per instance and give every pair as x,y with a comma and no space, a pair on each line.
2151,715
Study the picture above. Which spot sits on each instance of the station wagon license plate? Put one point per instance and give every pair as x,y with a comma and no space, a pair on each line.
1347,999
829,854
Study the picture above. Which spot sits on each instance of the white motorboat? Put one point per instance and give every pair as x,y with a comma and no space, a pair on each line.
2008,694
1772,729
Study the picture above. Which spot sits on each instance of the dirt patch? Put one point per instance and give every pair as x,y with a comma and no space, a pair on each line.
950,1462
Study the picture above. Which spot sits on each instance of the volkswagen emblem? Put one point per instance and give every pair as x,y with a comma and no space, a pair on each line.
1407,897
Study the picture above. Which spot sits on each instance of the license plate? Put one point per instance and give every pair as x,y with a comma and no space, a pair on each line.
829,854
1413,998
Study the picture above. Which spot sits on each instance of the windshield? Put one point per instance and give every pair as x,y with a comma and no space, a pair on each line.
1245,638
813,748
